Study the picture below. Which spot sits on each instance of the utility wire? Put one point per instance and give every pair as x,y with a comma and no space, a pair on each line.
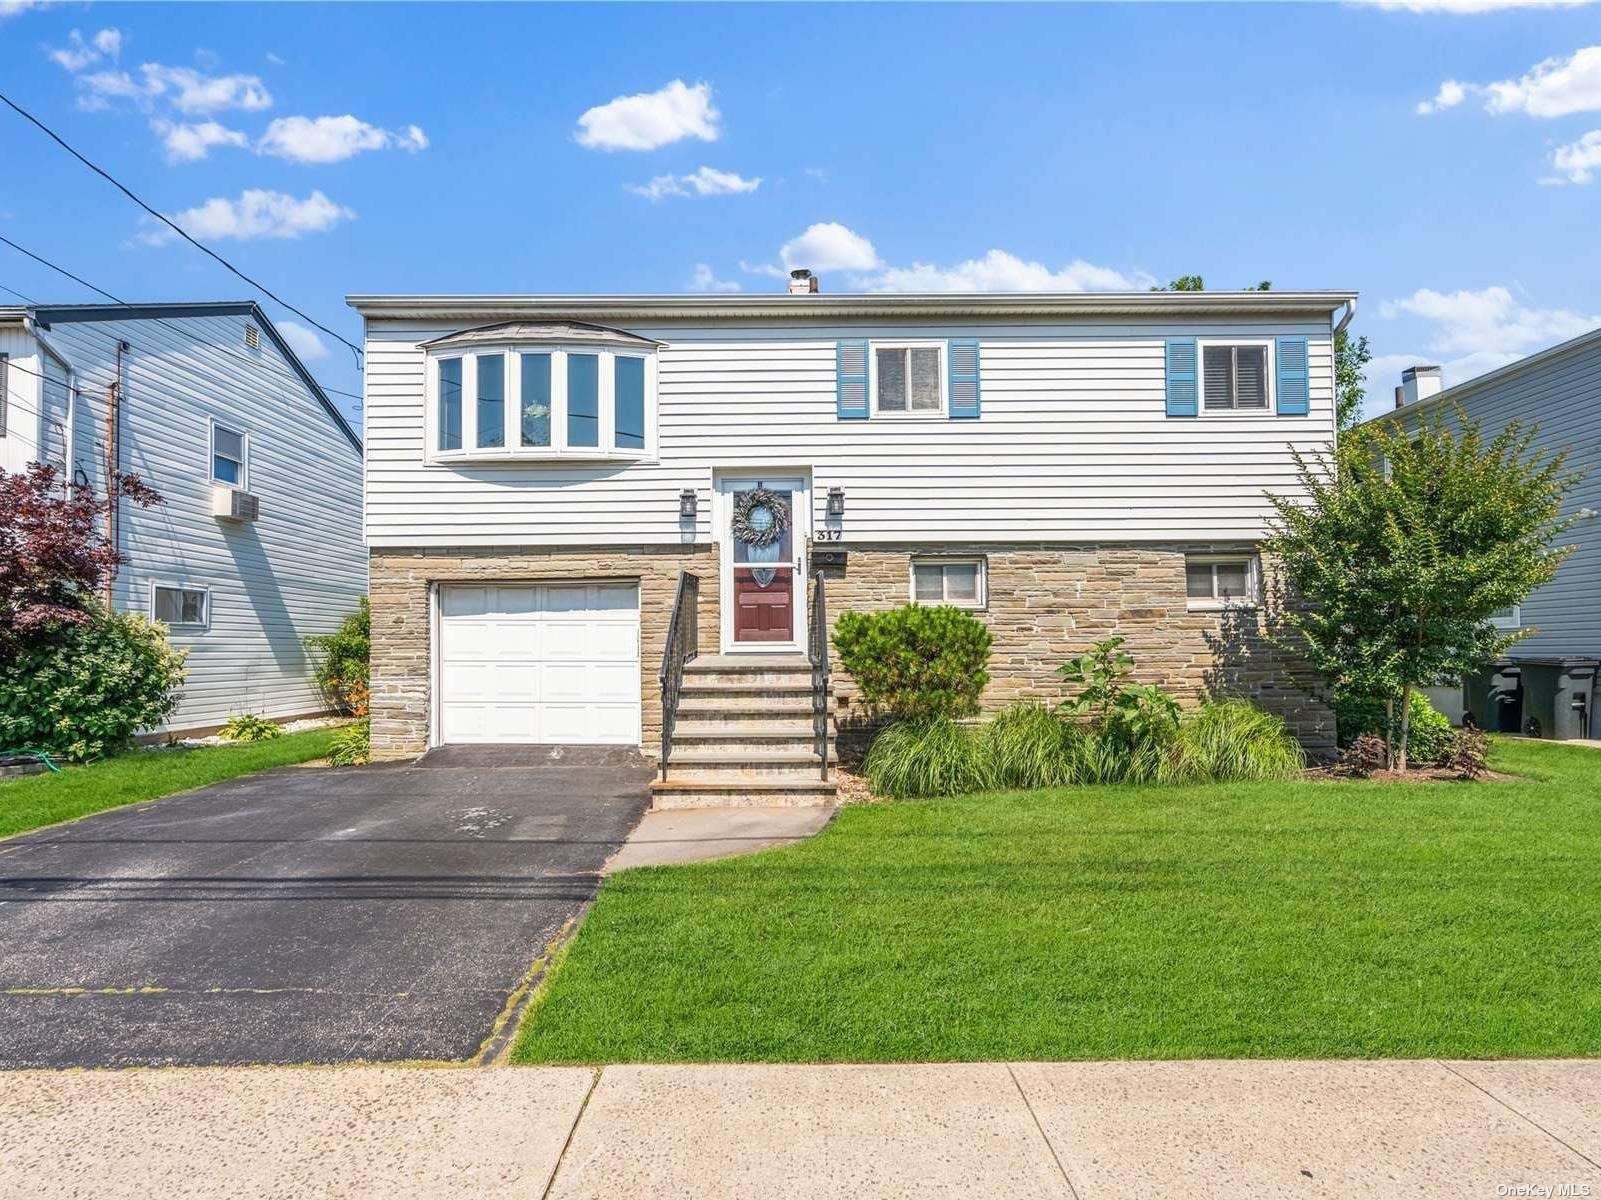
163,321
165,220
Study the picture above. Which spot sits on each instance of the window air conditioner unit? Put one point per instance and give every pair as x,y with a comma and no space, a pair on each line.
231,504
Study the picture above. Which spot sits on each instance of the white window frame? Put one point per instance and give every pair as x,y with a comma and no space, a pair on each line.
1216,603
558,450
205,603
211,455
1509,624
982,600
943,375
1269,383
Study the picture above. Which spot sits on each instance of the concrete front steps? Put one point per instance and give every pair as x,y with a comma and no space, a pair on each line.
744,736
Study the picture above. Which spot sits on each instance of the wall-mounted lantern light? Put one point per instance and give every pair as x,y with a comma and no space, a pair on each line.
836,502
686,504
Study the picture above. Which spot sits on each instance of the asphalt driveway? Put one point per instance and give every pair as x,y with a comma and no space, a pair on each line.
304,915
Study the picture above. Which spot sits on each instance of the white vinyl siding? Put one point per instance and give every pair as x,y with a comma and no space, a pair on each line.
1074,443
298,570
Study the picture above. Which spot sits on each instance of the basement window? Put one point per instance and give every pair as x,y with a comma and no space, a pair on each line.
958,582
1213,581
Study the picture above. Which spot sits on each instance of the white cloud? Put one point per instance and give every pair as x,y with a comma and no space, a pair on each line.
1451,94
707,181
304,342
12,8
1556,87
186,89
333,139
191,92
705,280
192,142
81,52
1577,161
999,271
1487,321
1468,6
274,59
1470,333
257,213
651,119
829,246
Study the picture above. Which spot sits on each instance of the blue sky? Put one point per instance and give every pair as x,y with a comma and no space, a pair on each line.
1442,156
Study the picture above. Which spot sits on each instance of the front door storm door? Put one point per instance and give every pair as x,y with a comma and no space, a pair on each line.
762,535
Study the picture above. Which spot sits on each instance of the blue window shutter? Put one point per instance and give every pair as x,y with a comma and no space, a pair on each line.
1292,384
961,359
1182,393
850,374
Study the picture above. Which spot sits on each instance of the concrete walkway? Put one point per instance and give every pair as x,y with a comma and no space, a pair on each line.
681,835
1084,1131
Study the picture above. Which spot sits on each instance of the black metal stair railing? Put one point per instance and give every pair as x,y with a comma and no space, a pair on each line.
817,651
683,641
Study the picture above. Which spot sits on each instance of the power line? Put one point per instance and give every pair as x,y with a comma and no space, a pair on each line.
163,321
126,191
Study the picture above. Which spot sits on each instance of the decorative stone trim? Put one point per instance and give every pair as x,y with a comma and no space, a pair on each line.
400,580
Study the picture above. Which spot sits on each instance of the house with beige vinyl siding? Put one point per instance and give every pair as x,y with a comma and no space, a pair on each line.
257,541
633,519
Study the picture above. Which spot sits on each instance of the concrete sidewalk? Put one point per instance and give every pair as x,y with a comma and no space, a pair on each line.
1079,1130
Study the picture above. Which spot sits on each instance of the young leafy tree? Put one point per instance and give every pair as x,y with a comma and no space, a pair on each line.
1351,358
1406,543
54,554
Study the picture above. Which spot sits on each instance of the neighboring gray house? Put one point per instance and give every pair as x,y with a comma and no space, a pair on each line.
257,542
1547,682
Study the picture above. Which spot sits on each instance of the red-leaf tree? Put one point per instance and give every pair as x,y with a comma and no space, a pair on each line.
54,553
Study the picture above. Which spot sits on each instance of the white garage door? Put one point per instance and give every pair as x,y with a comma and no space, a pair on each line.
541,663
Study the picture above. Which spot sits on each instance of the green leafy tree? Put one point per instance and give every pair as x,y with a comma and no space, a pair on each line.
1184,283
1351,357
1406,542
340,661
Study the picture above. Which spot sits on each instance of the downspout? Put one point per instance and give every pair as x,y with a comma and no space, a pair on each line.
113,467
70,439
1350,311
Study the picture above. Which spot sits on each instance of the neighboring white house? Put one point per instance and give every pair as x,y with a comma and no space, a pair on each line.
542,469
257,542
1547,682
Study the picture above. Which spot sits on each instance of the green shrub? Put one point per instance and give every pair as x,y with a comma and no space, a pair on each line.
352,745
340,661
247,727
916,662
1029,746
933,757
84,691
1230,739
1429,739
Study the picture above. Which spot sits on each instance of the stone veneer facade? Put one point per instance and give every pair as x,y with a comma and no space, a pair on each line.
1046,602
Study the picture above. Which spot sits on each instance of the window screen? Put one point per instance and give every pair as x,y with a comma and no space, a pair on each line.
227,456
1235,377
180,606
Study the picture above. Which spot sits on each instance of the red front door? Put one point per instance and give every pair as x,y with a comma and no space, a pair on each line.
763,540
764,613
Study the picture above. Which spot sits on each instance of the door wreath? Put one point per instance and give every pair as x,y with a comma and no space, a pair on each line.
760,516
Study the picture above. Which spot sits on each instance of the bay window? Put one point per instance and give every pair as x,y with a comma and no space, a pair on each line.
524,392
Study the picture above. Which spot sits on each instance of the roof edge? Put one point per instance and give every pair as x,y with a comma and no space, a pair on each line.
782,305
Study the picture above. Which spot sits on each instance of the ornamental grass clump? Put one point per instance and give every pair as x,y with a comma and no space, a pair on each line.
1226,740
1029,746
933,757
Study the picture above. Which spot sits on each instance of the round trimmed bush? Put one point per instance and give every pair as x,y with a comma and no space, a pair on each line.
87,689
916,662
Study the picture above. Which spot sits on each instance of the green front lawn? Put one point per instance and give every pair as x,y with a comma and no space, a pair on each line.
1242,920
36,800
